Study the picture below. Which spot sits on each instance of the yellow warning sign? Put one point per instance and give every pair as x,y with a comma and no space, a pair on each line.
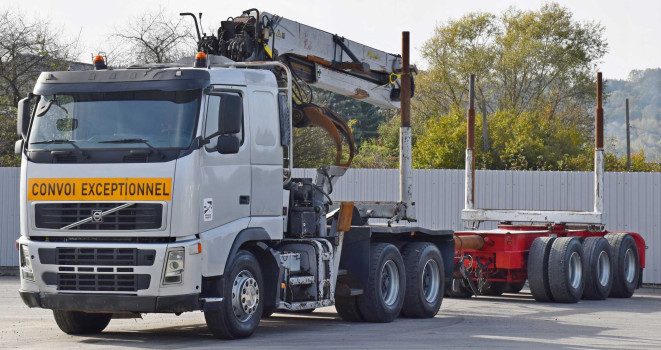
100,189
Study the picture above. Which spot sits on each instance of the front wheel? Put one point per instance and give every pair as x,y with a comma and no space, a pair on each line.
78,322
241,309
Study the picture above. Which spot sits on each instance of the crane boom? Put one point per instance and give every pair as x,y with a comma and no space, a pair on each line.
316,57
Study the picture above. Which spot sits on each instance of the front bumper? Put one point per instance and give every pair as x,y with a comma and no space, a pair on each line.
114,303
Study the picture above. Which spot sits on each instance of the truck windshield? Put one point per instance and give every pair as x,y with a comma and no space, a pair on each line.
159,119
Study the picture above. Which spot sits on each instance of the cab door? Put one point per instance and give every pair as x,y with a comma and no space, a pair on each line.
225,178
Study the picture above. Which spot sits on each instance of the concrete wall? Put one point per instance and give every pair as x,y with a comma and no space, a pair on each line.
632,200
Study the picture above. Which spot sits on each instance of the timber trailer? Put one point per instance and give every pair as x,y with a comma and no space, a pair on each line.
564,255
168,188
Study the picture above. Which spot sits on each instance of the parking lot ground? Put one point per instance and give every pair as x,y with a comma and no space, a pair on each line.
510,321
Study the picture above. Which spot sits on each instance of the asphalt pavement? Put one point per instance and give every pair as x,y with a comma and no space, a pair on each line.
511,321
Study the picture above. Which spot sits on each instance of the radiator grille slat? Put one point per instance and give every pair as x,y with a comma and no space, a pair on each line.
139,216
102,282
97,256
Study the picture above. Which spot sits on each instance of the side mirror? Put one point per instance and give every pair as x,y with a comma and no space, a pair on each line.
230,114
228,144
23,117
18,147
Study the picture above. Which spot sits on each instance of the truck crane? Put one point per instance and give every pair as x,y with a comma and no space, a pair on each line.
168,188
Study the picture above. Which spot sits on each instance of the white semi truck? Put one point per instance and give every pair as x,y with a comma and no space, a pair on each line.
168,188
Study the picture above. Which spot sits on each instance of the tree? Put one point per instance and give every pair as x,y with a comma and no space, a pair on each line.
541,61
154,37
27,47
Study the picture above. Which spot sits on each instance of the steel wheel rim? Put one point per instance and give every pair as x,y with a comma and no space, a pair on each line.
389,282
575,270
629,265
431,281
604,266
245,296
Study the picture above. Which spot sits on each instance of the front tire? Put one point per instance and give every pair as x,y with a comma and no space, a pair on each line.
242,307
425,280
78,322
384,295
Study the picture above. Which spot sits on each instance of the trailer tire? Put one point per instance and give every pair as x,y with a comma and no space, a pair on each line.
493,288
241,309
425,280
383,298
598,268
566,263
78,322
538,269
459,289
347,308
514,287
626,264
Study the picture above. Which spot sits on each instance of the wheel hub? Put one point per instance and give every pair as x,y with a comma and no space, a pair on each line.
389,283
431,281
245,296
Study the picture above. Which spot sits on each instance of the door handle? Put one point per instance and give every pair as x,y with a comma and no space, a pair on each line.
243,200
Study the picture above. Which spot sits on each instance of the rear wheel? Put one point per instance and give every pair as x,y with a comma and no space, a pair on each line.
566,277
241,308
626,266
425,280
493,288
514,287
347,308
538,267
598,271
384,293
78,322
460,289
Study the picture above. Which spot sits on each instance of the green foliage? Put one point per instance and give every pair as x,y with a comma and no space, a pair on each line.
639,162
525,141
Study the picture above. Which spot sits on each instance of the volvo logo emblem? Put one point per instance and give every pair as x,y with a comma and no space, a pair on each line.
97,215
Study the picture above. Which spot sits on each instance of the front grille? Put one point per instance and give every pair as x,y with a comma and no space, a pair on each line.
138,216
97,256
102,282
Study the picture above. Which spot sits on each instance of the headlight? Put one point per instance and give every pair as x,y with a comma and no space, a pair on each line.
26,263
174,267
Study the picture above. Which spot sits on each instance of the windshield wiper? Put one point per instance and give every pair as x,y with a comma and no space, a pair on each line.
146,142
58,141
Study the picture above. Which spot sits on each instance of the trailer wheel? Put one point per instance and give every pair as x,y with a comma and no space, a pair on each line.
425,280
598,271
514,287
626,266
493,288
78,322
459,289
386,284
241,309
566,277
538,268
347,308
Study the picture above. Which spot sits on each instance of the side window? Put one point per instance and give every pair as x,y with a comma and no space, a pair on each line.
213,112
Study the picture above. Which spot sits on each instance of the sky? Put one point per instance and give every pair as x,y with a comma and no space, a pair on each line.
632,27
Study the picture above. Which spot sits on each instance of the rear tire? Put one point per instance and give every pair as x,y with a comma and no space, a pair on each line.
78,322
514,287
566,277
241,308
598,268
425,280
384,293
459,289
538,268
626,264
347,308
493,288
